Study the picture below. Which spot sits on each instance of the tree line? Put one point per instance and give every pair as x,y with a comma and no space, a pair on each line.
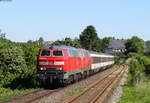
139,67
88,39
17,63
17,60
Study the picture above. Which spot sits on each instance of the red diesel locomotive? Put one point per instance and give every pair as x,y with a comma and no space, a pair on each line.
66,64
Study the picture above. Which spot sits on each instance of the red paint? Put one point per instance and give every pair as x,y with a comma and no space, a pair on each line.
70,63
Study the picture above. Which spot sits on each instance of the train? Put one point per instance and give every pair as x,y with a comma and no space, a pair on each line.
67,64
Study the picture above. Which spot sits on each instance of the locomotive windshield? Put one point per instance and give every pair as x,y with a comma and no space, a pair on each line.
45,53
57,53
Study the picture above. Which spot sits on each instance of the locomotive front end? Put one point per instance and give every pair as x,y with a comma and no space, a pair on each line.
51,63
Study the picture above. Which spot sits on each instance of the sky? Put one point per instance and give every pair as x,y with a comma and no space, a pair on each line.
24,20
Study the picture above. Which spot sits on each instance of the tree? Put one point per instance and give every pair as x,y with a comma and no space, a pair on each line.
135,45
12,60
136,70
105,42
41,39
147,44
76,43
17,63
2,35
69,42
145,61
89,39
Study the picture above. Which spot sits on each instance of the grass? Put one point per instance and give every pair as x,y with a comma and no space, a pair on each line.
75,91
137,94
6,93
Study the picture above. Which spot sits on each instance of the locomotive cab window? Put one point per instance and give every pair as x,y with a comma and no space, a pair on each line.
45,53
57,53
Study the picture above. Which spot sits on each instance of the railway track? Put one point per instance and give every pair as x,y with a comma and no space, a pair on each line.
48,94
94,92
25,95
41,93
32,96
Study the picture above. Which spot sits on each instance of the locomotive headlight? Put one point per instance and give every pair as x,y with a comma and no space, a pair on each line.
42,68
59,68
59,63
43,62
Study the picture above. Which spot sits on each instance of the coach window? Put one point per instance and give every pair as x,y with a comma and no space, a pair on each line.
102,59
110,59
69,53
96,60
86,54
105,59
75,53
57,53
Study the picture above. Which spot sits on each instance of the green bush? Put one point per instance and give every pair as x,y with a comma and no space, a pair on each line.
24,81
136,71
12,60
146,62
7,93
17,64
133,55
120,59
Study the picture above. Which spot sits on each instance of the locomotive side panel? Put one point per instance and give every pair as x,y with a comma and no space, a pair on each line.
77,63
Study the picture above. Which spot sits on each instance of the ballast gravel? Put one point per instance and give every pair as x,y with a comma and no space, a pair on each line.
117,93
62,95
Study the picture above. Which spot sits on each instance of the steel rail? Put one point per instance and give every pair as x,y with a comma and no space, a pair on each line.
100,81
105,88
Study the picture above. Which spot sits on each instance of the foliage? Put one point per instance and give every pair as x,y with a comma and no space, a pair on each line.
138,94
21,81
89,39
105,42
12,60
147,44
136,89
147,54
7,93
136,70
147,51
30,52
70,42
133,55
135,45
2,35
75,91
145,61
41,39
17,64
120,59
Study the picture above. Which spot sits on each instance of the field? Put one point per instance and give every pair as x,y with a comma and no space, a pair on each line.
136,94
